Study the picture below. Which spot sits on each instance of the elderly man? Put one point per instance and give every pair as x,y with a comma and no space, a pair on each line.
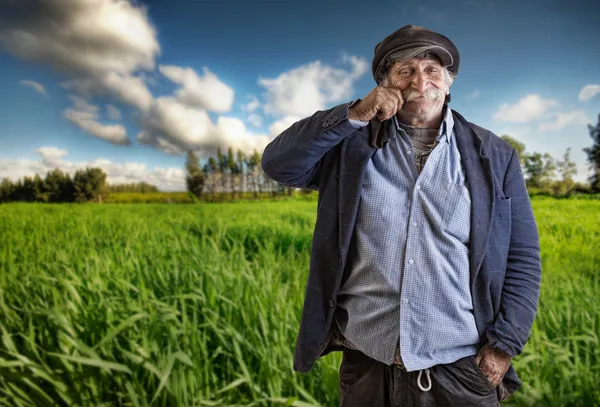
425,265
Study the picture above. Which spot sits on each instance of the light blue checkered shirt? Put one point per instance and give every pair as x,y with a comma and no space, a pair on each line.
408,280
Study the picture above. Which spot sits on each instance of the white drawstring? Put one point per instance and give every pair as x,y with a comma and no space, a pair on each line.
428,379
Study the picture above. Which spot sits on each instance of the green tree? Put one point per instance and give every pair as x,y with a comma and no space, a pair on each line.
566,170
28,190
233,170
517,145
241,160
194,178
253,164
593,156
6,190
540,169
39,188
211,171
223,166
90,185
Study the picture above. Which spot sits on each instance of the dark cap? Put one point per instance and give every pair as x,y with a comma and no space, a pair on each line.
409,41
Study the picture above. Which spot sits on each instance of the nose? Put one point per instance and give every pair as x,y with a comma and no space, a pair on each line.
420,82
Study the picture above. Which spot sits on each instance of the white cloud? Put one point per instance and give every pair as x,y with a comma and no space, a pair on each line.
38,87
206,92
100,44
588,92
175,127
113,112
166,179
51,155
473,95
283,124
526,109
129,89
308,88
563,119
252,105
80,37
85,116
255,120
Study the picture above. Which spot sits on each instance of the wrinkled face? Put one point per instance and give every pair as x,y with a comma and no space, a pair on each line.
423,82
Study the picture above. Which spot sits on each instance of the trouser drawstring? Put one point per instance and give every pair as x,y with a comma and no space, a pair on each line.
428,380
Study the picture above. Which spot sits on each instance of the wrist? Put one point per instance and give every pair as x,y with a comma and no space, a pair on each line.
352,114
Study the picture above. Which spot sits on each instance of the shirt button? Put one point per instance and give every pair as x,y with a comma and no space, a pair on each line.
324,124
335,118
418,186
406,300
414,223
408,151
410,261
331,304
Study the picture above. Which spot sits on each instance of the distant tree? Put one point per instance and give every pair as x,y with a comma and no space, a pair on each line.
593,156
211,172
90,185
194,178
241,160
517,145
56,188
18,191
29,190
39,188
540,169
566,170
253,164
6,190
223,166
233,170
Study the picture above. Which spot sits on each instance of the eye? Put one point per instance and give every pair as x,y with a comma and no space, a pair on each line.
404,71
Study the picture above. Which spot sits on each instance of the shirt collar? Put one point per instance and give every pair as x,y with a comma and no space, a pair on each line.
447,126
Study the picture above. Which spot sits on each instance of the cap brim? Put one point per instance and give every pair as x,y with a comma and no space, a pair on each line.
444,56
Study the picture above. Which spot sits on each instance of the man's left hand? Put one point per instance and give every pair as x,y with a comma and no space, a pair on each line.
493,362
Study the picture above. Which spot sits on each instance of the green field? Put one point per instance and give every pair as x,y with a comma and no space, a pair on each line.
199,305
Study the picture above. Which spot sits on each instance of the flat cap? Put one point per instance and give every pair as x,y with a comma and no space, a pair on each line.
411,36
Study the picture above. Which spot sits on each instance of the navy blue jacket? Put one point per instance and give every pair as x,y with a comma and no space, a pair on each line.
505,265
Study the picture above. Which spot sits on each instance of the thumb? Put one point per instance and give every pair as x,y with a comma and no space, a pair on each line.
479,355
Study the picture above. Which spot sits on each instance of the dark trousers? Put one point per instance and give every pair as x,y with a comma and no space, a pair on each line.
365,382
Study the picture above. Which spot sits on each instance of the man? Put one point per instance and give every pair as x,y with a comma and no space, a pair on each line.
425,266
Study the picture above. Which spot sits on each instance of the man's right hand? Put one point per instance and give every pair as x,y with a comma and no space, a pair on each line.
382,102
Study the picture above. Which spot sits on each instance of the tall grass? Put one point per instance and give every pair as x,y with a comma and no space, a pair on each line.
199,305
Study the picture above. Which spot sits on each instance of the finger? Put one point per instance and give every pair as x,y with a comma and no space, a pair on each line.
383,109
390,110
397,95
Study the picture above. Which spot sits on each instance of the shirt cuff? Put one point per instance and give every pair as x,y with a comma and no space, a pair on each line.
357,123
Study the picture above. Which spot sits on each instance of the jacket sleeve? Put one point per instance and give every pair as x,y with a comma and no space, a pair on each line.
521,290
294,157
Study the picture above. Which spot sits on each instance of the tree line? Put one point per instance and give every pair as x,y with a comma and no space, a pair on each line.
230,176
224,177
548,175
233,176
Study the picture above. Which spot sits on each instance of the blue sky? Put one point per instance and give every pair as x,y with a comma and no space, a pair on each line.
130,86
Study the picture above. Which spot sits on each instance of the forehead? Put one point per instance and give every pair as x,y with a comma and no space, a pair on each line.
429,59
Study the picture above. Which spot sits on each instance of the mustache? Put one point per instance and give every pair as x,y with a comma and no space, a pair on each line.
430,94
